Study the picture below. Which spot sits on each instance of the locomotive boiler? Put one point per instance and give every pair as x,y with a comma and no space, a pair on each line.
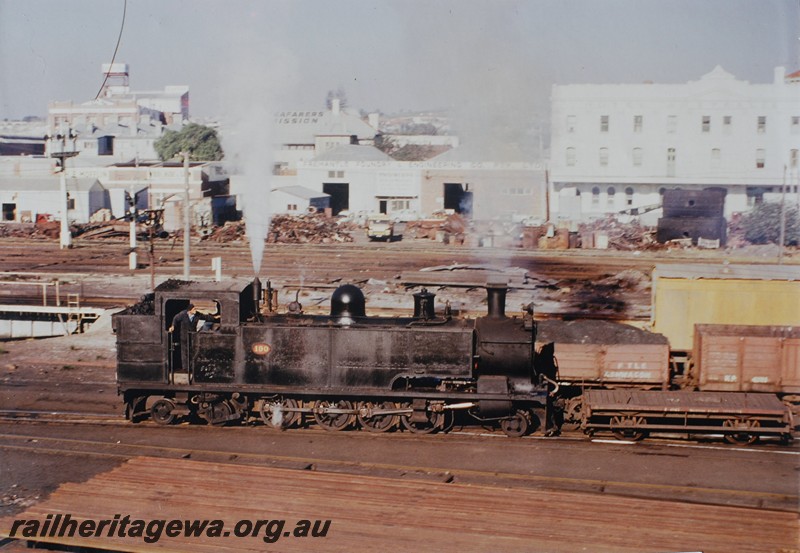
244,359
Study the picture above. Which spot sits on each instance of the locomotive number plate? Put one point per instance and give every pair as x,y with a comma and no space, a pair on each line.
261,348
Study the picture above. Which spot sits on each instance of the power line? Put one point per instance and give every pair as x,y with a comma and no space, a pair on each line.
116,48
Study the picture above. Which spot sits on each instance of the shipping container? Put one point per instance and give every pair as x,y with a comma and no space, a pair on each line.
747,358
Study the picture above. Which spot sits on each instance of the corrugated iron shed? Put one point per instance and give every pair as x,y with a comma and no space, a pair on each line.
730,294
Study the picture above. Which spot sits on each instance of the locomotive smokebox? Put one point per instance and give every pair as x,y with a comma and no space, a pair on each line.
348,301
424,307
496,296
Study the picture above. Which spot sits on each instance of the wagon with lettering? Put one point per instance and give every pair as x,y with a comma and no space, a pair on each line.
747,358
587,354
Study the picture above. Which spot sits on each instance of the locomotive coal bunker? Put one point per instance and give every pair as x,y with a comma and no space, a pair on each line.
343,369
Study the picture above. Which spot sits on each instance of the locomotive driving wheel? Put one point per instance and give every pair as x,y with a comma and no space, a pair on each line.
517,425
276,414
426,423
161,412
329,415
746,431
373,422
625,428
216,414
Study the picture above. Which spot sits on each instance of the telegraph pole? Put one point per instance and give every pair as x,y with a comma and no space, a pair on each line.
65,236
187,226
132,262
782,234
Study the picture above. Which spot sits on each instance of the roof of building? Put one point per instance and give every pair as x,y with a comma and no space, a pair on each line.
301,192
353,152
727,271
795,75
301,127
489,151
46,184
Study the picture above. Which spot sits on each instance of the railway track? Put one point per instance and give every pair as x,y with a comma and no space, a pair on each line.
32,439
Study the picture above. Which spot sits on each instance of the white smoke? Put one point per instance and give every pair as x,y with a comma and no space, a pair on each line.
256,82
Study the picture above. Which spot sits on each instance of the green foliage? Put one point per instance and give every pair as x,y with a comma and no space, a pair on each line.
200,141
763,225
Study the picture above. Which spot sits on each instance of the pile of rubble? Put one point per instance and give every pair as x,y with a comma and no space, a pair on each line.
313,228
617,235
42,229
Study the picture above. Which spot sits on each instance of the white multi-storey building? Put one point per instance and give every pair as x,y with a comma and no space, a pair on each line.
615,147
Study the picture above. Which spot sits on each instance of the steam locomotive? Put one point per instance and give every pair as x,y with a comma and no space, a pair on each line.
245,360
342,370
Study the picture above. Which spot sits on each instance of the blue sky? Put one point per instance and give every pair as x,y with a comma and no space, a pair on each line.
500,57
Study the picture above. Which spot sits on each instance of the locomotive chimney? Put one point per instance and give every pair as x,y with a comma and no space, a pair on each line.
496,296
256,293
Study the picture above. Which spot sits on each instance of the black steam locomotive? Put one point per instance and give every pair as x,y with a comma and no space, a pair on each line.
345,369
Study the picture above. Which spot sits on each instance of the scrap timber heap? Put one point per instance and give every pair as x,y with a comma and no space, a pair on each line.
312,228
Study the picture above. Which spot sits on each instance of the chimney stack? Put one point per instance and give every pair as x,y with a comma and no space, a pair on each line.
496,296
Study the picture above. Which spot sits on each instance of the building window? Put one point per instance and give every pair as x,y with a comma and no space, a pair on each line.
795,124
331,174
727,123
671,156
291,207
570,157
604,123
629,196
793,159
610,197
637,157
672,123
761,125
760,157
335,174
637,123
604,157
399,205
706,123
570,124
716,154
595,196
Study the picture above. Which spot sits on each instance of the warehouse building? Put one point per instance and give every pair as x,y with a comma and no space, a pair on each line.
617,147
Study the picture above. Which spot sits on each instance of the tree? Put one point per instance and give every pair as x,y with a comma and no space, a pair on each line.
200,141
763,224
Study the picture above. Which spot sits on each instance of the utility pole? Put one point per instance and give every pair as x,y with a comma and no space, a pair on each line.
65,237
132,263
187,226
782,234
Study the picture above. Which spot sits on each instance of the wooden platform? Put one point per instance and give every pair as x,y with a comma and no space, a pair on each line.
381,514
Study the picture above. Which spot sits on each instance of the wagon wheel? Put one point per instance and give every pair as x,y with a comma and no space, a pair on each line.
161,412
624,428
333,421
377,423
517,425
747,431
434,421
280,418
